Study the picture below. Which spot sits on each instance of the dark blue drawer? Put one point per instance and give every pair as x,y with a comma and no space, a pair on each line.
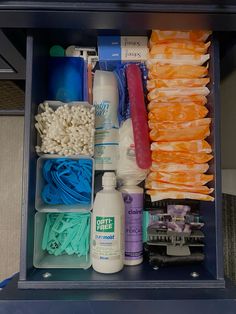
142,276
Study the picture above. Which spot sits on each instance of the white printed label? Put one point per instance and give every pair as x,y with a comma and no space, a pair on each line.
134,41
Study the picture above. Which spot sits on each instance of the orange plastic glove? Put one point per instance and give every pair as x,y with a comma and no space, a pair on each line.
157,195
181,158
176,83
175,167
197,146
183,178
166,71
167,187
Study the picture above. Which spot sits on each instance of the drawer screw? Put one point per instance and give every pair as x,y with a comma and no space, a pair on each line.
194,274
155,267
47,275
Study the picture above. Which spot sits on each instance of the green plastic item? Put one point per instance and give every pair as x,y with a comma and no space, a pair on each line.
67,233
145,224
57,51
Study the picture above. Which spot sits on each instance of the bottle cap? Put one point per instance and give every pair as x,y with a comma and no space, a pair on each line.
104,79
57,51
72,51
109,179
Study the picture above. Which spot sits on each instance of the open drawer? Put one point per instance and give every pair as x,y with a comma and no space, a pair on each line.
209,274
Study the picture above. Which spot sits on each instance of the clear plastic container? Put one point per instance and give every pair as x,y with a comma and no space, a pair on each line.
42,259
41,206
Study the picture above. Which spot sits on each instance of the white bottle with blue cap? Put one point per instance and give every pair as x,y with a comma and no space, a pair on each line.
108,227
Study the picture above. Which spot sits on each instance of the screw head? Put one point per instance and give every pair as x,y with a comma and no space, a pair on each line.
47,275
155,267
194,274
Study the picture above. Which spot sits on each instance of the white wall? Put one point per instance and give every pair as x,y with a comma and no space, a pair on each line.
228,122
228,133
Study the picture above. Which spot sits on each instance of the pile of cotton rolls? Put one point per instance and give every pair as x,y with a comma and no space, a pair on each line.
68,130
178,117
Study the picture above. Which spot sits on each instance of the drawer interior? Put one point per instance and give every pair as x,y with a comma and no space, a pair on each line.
210,273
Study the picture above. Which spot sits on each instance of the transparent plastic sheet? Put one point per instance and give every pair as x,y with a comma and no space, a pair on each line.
127,168
124,103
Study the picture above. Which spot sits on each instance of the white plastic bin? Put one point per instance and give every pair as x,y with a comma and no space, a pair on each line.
42,259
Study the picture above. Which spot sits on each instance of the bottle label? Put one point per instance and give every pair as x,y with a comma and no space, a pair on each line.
133,225
107,238
105,116
106,135
105,224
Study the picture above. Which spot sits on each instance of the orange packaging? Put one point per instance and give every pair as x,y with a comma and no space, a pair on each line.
179,125
197,100
181,158
175,167
180,47
176,83
176,92
158,195
167,71
177,112
167,187
159,36
194,60
170,135
195,146
182,178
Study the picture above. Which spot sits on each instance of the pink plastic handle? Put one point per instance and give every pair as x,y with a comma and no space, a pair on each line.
139,117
